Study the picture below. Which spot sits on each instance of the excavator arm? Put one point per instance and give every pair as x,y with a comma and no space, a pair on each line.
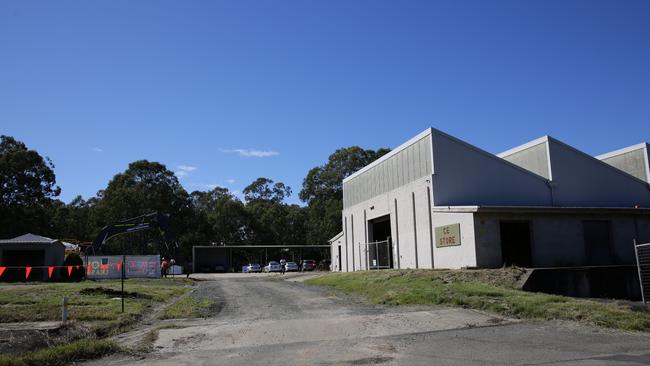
132,225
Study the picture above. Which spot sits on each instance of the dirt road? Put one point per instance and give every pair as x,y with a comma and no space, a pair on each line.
267,319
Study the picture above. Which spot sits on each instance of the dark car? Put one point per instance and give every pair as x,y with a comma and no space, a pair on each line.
220,268
325,265
308,265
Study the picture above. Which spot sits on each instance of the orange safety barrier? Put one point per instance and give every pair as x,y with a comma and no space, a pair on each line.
50,269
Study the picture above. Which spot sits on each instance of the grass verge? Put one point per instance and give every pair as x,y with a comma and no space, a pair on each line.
94,311
88,300
189,307
466,289
85,349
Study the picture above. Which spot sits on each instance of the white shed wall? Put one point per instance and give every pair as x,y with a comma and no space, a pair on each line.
410,228
460,256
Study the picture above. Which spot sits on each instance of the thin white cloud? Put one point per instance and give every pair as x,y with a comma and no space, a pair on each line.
231,181
255,153
187,168
184,170
98,149
203,186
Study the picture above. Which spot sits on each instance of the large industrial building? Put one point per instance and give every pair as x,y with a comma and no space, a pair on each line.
439,202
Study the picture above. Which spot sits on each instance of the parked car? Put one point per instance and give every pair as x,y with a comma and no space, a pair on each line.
205,269
220,268
251,268
292,267
273,266
325,265
308,265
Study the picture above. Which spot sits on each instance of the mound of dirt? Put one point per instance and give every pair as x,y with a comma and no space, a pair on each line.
510,277
19,341
109,292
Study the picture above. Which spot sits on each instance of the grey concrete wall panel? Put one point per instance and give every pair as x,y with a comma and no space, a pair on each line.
467,175
548,249
633,160
582,180
406,164
533,158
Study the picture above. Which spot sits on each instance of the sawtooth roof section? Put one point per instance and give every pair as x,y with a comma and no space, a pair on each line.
579,179
634,160
463,174
532,156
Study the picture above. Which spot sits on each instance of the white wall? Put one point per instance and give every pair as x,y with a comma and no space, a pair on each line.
460,256
334,252
408,228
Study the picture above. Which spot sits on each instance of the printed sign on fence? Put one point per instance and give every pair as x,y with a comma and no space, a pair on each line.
110,266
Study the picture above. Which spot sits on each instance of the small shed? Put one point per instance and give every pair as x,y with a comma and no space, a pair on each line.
30,250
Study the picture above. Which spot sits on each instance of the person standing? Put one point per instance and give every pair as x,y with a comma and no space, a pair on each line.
163,267
283,266
188,267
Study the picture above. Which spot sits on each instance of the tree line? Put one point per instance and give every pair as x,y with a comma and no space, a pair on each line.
29,203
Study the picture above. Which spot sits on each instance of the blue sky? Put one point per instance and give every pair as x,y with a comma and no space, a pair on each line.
199,85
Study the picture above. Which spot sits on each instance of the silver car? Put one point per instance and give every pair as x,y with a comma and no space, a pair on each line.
292,267
252,268
273,266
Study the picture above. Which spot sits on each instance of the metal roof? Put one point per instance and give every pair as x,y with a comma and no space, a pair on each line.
259,246
336,236
29,238
393,152
543,209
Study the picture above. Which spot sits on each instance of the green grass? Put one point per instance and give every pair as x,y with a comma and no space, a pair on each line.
474,290
189,307
91,305
64,354
42,301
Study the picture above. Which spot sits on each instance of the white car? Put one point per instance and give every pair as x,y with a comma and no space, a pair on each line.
252,268
273,266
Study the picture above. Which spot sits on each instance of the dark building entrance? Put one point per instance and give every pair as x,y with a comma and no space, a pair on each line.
597,236
23,258
379,247
340,267
515,244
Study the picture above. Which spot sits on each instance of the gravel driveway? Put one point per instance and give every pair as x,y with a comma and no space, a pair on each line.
277,320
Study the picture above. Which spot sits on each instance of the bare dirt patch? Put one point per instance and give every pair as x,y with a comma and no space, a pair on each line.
18,341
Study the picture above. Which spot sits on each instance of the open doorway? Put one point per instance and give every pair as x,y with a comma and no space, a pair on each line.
379,247
515,243
340,261
597,236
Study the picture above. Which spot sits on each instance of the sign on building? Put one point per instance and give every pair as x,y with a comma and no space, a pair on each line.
110,266
448,235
